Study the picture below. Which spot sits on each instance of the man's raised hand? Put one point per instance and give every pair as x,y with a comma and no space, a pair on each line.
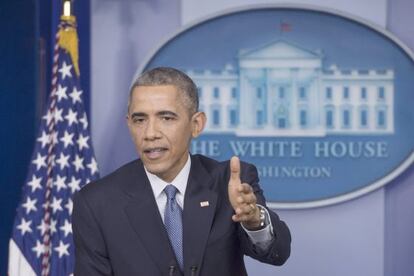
242,198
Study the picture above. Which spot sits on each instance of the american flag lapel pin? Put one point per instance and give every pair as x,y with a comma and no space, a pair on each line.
204,204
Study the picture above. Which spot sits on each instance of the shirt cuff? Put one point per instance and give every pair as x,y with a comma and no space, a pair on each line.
263,237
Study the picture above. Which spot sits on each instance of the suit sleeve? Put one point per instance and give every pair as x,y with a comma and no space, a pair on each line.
279,250
90,251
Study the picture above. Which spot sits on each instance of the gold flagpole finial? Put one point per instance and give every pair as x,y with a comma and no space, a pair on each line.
68,36
67,8
67,11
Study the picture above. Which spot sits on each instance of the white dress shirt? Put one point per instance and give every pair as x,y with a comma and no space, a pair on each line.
261,238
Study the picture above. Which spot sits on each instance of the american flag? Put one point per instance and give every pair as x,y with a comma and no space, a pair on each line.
63,161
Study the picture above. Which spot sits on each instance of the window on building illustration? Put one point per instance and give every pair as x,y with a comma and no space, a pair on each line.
233,117
259,118
381,119
282,122
259,92
328,93
364,118
346,118
234,93
303,118
302,93
363,93
381,93
346,92
281,92
200,92
216,117
329,118
216,93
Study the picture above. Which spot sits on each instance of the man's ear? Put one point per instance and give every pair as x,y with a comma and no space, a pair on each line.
198,121
129,124
127,120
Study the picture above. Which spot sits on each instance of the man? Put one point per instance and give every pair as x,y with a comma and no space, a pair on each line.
172,213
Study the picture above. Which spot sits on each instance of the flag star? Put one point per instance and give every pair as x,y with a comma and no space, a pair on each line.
46,205
48,117
71,117
76,95
84,121
63,161
30,205
51,160
65,70
82,142
74,184
58,115
54,137
56,204
93,166
67,139
62,249
39,248
66,228
59,183
35,183
69,206
24,226
43,227
78,163
61,93
40,161
44,139
53,223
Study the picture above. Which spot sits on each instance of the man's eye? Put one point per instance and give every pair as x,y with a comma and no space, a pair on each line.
138,120
168,118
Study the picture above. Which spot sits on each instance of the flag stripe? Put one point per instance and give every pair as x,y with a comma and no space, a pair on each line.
18,264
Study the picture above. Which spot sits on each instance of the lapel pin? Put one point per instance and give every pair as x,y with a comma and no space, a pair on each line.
204,203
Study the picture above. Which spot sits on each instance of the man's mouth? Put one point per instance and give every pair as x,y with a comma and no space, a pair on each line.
154,153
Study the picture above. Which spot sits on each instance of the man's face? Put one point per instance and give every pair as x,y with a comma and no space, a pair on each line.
161,129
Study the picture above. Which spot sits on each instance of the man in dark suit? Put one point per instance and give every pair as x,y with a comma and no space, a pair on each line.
172,213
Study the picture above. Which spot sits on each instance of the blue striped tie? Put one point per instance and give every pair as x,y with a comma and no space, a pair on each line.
173,223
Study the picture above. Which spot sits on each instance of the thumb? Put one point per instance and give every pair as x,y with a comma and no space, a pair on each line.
235,168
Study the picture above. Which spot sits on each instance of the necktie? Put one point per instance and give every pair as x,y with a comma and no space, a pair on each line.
173,223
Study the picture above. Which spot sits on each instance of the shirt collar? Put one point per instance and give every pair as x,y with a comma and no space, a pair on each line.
180,181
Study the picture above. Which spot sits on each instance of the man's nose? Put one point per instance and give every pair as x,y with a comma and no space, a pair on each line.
151,131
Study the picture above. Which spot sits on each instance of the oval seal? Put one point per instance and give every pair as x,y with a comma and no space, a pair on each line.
320,102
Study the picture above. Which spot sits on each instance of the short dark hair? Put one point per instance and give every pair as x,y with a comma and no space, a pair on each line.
169,76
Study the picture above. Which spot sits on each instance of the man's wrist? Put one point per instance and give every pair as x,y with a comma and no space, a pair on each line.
259,220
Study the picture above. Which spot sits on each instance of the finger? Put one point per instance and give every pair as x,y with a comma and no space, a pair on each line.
245,209
235,168
241,218
245,188
235,218
246,198
249,198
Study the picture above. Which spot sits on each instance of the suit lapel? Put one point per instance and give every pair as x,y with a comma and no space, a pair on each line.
199,207
145,219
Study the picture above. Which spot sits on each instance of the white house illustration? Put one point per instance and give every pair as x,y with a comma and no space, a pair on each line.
282,89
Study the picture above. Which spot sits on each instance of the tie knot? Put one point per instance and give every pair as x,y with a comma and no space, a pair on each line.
170,191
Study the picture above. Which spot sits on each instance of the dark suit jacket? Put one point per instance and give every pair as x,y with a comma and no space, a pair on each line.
118,230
